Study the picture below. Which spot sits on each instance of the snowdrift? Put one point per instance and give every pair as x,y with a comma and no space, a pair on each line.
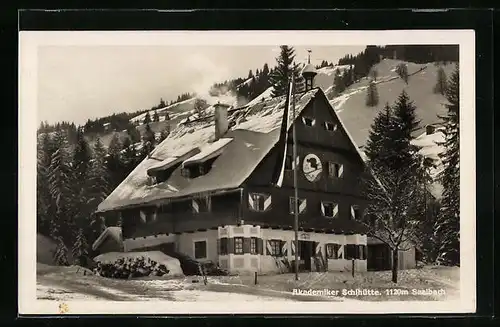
172,264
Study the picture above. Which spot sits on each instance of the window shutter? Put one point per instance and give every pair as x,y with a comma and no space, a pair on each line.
268,247
302,205
365,254
246,245
284,248
195,205
267,202
143,216
230,245
251,202
218,247
340,252
260,246
335,210
341,170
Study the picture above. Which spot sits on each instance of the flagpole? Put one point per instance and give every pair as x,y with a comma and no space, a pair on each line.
296,202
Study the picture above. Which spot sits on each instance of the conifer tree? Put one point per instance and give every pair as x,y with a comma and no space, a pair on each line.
156,118
44,201
114,163
406,116
60,190
283,71
147,118
339,82
81,247
61,252
200,106
129,156
379,147
402,71
250,74
372,95
98,177
441,83
448,224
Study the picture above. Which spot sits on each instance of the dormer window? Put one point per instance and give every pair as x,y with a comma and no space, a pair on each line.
329,126
201,163
308,121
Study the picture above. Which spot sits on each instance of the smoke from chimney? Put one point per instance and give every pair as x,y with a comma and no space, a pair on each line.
221,120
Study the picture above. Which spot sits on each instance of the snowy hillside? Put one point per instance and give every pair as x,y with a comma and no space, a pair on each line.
357,117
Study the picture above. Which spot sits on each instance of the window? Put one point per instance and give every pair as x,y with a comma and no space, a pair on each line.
223,246
276,249
253,245
201,205
329,209
362,252
308,121
302,204
200,249
350,251
259,202
329,126
332,251
335,170
185,172
356,212
238,245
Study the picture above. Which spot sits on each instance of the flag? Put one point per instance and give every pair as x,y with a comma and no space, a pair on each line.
283,140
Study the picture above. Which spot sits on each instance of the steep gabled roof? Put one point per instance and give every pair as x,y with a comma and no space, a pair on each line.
254,132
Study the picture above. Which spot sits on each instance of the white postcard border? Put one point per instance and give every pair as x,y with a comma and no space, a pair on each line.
29,41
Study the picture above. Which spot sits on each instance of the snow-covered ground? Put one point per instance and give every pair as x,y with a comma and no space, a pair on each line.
70,283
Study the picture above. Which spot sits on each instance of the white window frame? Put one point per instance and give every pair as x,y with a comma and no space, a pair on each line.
335,211
329,123
206,248
242,245
305,118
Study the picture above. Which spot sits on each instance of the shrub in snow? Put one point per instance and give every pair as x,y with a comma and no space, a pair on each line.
130,268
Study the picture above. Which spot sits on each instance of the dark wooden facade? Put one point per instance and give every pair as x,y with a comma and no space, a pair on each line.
328,144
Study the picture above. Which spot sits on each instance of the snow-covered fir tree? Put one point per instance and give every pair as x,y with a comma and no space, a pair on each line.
441,82
147,118
156,117
61,252
80,248
448,224
380,139
395,194
372,97
339,82
61,190
148,142
98,176
402,71
283,71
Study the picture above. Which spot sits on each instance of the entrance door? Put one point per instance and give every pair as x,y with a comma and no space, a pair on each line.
379,257
306,253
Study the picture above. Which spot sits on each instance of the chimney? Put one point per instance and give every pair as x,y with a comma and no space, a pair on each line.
429,129
221,120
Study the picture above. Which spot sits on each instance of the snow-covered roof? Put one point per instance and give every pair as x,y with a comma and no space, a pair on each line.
208,151
114,232
255,131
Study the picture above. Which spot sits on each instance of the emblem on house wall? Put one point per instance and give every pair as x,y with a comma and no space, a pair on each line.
312,168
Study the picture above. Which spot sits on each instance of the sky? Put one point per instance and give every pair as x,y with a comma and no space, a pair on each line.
76,83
